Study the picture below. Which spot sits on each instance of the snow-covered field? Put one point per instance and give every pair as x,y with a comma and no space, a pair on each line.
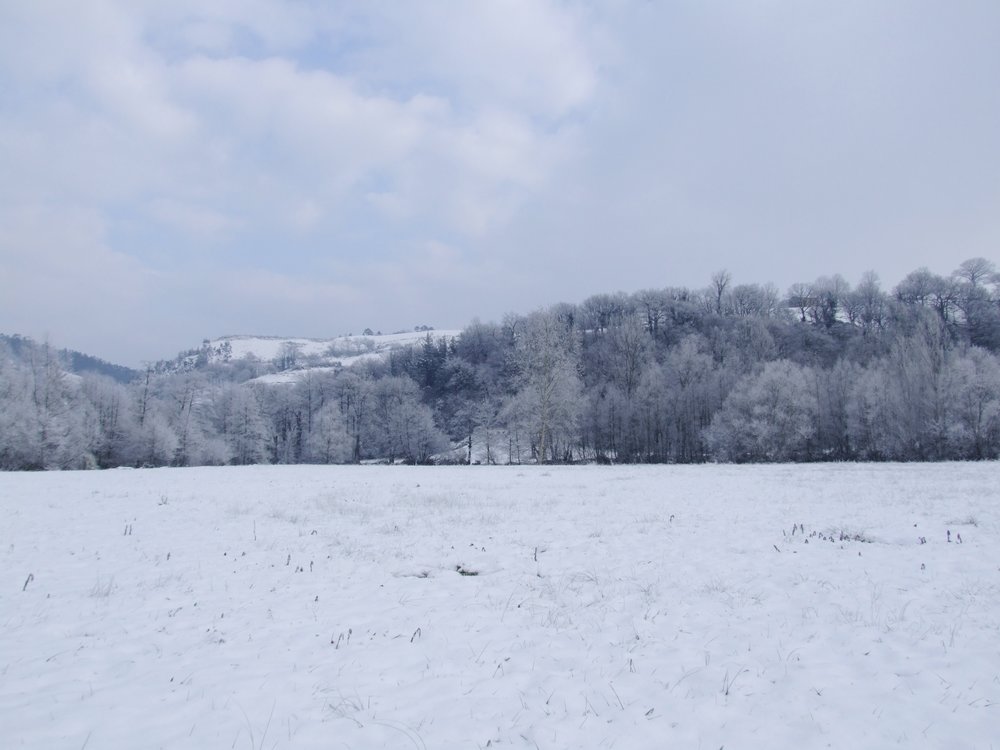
526,607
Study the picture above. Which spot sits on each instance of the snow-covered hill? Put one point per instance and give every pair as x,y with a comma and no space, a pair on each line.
294,356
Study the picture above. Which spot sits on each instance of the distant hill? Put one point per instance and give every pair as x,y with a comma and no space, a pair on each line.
285,359
73,361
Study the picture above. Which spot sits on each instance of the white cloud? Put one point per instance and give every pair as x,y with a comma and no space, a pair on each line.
305,215
133,92
62,279
530,56
63,249
323,130
314,119
163,102
254,288
222,27
192,218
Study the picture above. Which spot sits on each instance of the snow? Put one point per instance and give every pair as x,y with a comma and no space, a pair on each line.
347,350
289,377
267,348
629,607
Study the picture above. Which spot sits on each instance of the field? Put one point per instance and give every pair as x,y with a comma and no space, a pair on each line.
524,607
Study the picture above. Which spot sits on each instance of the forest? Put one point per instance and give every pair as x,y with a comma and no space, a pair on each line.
825,371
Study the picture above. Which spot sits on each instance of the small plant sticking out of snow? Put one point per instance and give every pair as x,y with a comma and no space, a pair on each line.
856,536
840,535
463,571
103,590
969,520
728,681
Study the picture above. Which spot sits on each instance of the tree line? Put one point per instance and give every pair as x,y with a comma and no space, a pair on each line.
729,372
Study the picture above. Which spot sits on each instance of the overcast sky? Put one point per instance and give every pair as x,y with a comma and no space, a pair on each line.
171,171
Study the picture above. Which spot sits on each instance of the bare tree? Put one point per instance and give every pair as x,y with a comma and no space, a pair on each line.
800,297
868,303
720,283
975,271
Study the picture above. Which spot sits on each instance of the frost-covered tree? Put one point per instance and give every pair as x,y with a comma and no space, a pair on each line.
741,345
155,442
614,362
288,356
237,419
898,408
400,426
547,404
972,386
351,393
832,388
766,417
753,300
185,402
976,271
285,421
53,437
866,306
977,299
694,392
110,420
599,312
16,441
329,442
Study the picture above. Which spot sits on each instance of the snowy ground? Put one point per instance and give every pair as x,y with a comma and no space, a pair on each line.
632,607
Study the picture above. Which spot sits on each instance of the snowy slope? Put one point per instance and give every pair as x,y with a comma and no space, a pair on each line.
628,607
292,376
313,354
270,347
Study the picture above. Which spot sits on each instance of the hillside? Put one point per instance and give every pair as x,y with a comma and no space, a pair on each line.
280,359
72,361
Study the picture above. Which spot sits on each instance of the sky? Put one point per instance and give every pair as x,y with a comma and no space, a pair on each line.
179,171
